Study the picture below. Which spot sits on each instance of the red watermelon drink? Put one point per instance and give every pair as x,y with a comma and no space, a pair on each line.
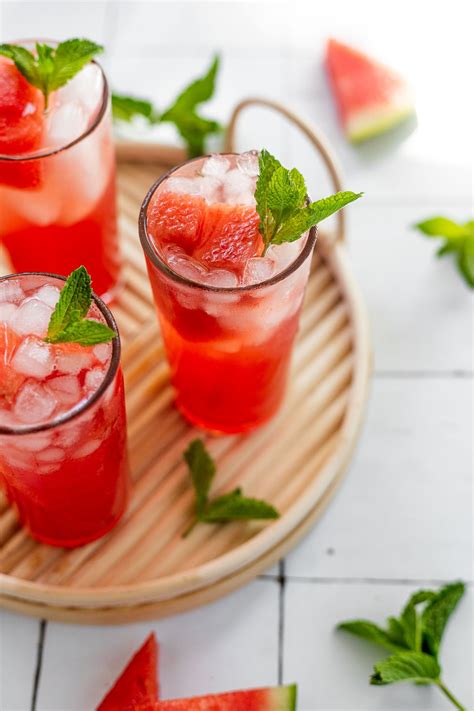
63,457
57,176
228,315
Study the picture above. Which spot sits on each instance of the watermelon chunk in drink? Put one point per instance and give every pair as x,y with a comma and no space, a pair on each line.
371,98
21,126
217,236
137,686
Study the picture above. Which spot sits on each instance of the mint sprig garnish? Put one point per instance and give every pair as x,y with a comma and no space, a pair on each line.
458,240
68,323
125,108
414,638
183,112
51,67
233,506
280,195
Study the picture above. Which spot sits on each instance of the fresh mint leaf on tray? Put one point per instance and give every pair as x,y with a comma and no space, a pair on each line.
233,506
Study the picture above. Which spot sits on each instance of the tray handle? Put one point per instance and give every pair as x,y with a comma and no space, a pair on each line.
315,137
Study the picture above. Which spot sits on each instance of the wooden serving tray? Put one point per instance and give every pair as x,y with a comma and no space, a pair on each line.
144,569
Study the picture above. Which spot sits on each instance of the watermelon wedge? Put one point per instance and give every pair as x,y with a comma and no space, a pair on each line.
280,698
371,98
137,686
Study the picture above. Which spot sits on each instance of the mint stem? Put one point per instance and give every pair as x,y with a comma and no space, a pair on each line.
450,696
190,528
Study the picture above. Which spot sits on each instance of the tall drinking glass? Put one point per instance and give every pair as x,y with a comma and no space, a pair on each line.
57,177
63,449
229,348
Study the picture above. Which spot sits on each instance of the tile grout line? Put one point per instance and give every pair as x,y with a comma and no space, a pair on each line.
39,663
281,618
370,581
445,374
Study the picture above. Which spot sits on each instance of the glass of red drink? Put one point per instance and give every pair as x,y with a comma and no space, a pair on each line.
63,452
228,315
57,176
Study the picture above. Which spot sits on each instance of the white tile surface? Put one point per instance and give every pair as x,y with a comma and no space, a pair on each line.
405,508
333,668
18,648
230,644
51,19
420,308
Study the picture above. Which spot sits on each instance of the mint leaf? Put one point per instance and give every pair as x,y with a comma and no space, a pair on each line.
406,666
437,613
183,112
24,61
466,260
309,216
280,196
68,323
372,633
69,58
202,469
396,632
51,67
86,333
442,227
74,303
410,620
268,164
420,632
229,507
236,507
286,193
125,108
458,240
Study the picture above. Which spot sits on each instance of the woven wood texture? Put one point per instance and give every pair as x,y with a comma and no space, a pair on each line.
144,567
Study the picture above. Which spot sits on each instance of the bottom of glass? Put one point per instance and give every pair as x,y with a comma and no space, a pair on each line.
76,542
217,428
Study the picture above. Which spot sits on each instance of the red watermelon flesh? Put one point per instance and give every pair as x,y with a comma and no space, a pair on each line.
371,98
21,125
219,236
137,686
280,698
176,219
10,380
230,237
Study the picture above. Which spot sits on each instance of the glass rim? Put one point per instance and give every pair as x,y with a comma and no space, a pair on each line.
82,405
54,151
158,262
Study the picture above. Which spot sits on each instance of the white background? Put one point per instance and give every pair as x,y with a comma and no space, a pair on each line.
403,518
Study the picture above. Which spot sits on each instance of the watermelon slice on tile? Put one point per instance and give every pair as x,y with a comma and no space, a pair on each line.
371,97
137,686
280,698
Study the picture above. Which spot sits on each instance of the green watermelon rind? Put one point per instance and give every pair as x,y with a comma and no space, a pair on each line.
282,698
379,123
279,698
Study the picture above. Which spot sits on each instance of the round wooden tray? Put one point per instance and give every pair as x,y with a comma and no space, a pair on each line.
144,569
